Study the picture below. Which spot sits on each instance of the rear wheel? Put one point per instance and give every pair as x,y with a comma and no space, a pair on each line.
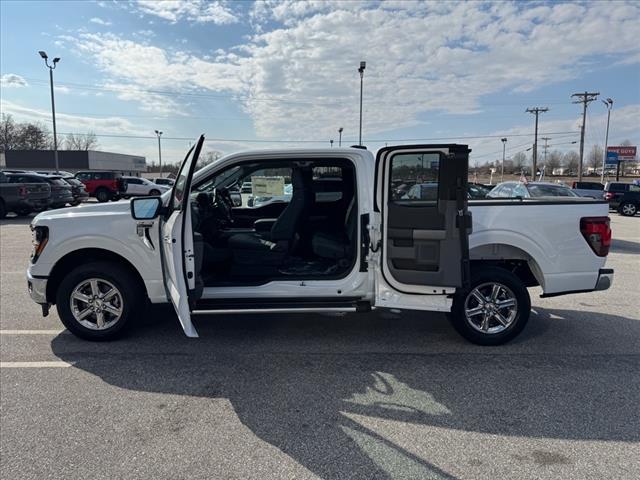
494,309
103,195
628,209
99,300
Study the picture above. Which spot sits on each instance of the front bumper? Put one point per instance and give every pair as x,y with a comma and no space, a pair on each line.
37,288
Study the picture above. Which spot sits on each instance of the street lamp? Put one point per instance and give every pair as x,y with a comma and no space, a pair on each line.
331,142
504,146
361,71
609,104
340,136
159,134
51,68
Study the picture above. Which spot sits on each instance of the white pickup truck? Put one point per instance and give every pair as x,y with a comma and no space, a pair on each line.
364,247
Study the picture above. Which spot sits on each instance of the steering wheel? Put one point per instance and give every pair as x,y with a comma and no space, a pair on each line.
224,204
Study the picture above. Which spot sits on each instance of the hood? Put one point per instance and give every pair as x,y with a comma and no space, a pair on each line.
122,207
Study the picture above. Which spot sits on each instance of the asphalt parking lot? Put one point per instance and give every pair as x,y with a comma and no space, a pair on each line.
360,396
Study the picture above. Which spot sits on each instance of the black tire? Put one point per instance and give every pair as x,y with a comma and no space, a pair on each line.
154,193
482,279
131,294
3,210
103,195
628,209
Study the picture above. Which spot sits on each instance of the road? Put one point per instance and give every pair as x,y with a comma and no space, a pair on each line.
361,396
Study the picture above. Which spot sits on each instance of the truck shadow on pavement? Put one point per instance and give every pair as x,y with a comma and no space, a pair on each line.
625,246
329,391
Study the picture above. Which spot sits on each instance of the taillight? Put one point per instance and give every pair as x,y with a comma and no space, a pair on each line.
608,196
597,233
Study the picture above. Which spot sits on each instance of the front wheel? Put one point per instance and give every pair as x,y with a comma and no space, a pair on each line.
99,300
494,309
628,209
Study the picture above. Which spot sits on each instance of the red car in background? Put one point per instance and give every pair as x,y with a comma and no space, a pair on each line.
103,185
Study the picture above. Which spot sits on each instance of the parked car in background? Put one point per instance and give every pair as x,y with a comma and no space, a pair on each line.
588,189
103,185
168,182
22,198
530,190
614,191
61,192
138,186
78,190
629,203
429,191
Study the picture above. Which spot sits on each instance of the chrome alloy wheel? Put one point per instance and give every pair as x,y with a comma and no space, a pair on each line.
629,209
96,304
491,308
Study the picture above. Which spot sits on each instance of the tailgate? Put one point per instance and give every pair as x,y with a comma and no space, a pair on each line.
38,191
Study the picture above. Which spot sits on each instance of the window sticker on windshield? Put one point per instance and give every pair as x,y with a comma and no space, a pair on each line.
270,186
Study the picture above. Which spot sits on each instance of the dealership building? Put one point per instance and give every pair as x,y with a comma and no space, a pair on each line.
73,161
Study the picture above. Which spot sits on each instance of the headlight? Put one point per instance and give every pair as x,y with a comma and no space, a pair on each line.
39,238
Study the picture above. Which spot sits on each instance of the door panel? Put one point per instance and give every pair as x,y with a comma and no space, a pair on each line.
178,255
424,246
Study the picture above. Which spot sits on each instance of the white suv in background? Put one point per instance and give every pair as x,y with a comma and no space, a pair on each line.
138,186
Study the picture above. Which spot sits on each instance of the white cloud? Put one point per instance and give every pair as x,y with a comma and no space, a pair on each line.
72,123
200,11
300,80
9,80
99,21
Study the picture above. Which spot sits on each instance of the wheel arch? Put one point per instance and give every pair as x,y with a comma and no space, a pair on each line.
77,257
509,257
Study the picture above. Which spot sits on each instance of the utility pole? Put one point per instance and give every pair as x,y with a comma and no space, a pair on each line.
584,98
361,71
609,104
504,146
340,136
536,111
159,134
51,68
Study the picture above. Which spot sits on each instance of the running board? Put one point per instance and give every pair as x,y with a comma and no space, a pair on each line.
280,305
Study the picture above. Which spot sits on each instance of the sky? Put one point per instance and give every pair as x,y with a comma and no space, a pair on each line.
279,74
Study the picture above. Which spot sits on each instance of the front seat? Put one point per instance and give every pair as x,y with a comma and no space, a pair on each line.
272,247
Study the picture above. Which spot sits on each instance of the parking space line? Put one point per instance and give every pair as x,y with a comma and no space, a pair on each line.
32,332
51,364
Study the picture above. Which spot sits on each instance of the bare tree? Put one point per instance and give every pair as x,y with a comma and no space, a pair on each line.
594,160
553,160
571,160
519,160
86,141
23,136
8,133
626,143
209,157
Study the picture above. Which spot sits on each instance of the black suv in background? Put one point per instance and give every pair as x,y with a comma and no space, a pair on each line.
614,191
630,202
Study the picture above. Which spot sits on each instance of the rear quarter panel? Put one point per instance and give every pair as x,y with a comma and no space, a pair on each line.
548,233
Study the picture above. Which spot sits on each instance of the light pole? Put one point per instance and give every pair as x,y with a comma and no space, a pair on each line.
53,104
609,104
159,134
361,70
504,147
340,136
331,142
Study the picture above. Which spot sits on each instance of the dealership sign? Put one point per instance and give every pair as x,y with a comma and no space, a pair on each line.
622,153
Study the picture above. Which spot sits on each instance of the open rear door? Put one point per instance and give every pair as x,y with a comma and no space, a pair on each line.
178,255
421,194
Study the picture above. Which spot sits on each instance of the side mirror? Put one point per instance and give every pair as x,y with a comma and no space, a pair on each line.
145,208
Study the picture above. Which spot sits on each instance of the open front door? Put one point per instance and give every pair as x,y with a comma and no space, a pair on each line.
178,255
421,194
